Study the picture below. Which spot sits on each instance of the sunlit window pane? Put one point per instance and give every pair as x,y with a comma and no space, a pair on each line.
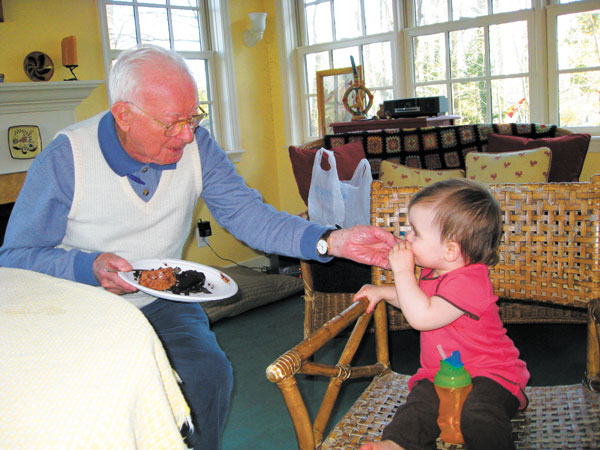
379,96
315,62
156,2
469,100
431,90
378,67
199,68
121,27
186,29
508,48
154,28
468,8
500,6
510,100
313,114
467,53
578,37
430,59
318,23
348,22
579,99
430,11
379,16
341,57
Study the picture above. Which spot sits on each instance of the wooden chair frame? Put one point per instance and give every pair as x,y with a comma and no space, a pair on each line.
550,254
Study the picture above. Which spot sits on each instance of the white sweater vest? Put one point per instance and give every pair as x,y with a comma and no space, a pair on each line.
108,216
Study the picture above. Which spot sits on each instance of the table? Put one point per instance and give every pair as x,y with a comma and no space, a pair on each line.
82,368
382,124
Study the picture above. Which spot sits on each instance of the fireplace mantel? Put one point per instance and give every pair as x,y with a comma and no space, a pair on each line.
48,105
44,96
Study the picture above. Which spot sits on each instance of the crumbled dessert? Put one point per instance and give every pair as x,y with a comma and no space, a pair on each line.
159,279
173,279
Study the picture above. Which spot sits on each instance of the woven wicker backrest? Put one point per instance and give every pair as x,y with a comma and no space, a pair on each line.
550,251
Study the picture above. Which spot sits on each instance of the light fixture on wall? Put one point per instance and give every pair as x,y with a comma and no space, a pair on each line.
255,34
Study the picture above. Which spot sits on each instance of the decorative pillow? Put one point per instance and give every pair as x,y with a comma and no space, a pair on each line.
526,166
254,289
568,152
347,157
392,174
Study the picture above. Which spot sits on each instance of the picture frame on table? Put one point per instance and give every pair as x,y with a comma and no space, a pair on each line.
331,86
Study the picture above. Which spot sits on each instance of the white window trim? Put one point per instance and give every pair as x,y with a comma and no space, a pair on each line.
553,11
227,127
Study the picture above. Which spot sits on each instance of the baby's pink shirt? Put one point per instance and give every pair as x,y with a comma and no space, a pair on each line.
479,334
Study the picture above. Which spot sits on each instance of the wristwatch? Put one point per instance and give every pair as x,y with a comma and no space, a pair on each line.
322,245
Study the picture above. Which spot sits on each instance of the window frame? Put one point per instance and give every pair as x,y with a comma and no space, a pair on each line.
543,75
527,16
553,11
223,97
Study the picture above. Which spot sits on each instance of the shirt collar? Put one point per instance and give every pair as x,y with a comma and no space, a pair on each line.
114,153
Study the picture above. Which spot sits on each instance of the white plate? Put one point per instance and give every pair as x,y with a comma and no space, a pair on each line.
220,285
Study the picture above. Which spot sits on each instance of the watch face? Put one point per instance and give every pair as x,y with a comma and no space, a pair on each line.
322,247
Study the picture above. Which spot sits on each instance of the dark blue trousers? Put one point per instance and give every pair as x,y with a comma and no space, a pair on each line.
206,372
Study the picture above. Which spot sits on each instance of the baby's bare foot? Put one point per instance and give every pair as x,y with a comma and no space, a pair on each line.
383,445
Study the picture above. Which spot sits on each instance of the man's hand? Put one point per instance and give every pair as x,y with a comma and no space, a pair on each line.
111,281
364,244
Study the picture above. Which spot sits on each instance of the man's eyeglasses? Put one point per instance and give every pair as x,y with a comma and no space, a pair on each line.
174,128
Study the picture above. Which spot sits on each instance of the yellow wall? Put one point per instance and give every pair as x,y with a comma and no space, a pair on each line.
40,25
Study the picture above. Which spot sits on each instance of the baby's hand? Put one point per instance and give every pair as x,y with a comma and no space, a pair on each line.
371,293
401,257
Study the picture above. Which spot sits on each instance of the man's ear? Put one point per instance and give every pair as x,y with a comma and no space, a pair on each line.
122,114
453,251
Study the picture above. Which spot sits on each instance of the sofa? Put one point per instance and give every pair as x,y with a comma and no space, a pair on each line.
436,151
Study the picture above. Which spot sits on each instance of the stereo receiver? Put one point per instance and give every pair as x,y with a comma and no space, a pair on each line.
414,107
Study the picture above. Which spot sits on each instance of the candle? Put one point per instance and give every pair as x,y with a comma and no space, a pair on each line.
69,51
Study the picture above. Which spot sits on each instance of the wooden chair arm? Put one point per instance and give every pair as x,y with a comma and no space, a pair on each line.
297,360
291,362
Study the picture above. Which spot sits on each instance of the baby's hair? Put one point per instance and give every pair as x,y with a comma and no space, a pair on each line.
465,212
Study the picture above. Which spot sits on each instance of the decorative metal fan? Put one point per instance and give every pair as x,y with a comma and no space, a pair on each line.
38,66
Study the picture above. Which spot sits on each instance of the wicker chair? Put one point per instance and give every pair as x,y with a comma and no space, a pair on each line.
550,254
321,304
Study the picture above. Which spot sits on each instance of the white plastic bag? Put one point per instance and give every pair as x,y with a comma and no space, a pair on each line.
334,202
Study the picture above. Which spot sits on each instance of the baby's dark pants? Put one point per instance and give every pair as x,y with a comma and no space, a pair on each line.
485,419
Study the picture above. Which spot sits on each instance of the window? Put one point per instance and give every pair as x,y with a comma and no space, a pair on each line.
479,60
194,29
574,64
496,61
334,30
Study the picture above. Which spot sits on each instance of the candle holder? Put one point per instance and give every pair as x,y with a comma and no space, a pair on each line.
72,67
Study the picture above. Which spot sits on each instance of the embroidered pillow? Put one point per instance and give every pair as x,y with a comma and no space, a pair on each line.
347,157
525,166
568,152
392,174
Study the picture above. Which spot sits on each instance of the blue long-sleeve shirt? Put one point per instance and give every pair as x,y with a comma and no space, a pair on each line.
39,218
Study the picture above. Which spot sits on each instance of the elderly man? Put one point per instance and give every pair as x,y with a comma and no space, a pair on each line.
122,186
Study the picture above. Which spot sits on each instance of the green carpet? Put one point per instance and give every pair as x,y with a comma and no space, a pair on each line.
258,418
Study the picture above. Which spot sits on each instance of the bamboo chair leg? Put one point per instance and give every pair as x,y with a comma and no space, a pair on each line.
344,373
592,380
300,418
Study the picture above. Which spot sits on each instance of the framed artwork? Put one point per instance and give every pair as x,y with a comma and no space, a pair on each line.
331,86
1,13
24,141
